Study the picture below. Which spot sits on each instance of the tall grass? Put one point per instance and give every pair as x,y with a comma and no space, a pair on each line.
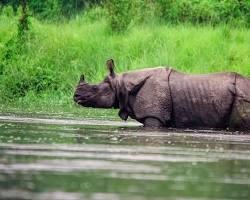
42,75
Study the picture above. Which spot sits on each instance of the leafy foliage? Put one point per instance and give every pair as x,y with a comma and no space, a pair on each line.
120,13
49,59
123,12
53,9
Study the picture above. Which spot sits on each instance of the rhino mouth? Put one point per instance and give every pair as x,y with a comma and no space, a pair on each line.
79,100
85,103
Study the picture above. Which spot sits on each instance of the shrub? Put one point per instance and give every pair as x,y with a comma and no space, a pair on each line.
120,14
7,11
53,9
204,11
21,80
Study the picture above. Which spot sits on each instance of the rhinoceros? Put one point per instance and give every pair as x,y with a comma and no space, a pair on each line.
164,97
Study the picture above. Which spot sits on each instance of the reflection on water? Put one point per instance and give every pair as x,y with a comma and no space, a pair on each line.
91,159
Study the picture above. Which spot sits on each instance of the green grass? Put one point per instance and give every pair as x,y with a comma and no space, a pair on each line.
42,75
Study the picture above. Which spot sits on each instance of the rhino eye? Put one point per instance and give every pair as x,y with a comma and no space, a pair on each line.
106,80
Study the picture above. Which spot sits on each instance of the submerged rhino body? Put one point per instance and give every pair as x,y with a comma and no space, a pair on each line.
164,97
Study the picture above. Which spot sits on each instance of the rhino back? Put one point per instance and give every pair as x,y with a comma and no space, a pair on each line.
202,100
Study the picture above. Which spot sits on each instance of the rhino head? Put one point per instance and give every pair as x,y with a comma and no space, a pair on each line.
102,95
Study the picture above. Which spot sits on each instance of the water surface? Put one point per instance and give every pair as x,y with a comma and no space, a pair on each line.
47,157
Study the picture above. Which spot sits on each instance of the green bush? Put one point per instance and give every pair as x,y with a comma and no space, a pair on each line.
94,14
7,11
204,11
20,75
53,9
120,13
233,11
20,82
123,12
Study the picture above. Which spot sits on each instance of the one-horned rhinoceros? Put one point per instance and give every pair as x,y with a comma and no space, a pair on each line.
164,97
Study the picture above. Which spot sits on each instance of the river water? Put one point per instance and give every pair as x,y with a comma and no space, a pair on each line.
49,157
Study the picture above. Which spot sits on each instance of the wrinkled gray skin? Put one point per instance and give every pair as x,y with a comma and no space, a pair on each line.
163,97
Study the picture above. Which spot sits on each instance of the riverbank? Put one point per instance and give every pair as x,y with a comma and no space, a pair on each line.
41,75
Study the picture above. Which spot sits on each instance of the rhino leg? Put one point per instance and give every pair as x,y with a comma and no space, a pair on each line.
240,116
152,122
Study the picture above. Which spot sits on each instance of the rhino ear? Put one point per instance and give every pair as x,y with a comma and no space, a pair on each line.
82,79
111,65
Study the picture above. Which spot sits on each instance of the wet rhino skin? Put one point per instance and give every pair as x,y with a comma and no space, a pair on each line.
220,100
165,97
216,100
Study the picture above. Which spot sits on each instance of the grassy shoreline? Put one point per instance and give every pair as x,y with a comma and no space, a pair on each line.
43,74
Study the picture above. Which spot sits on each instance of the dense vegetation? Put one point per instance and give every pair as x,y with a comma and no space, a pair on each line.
40,65
122,13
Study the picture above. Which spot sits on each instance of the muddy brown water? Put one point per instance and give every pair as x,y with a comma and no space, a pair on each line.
47,157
